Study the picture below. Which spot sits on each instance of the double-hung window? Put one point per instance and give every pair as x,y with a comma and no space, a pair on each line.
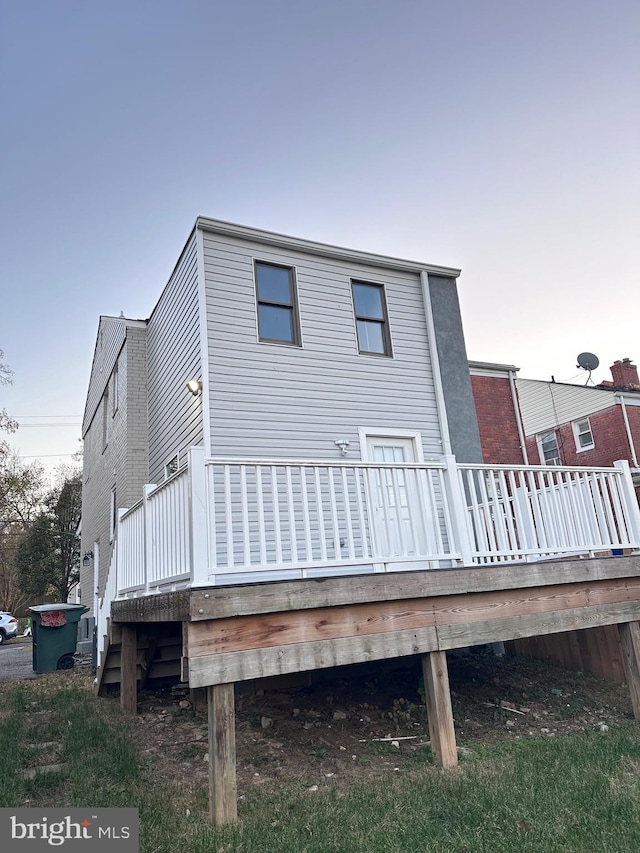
278,319
548,448
372,321
583,435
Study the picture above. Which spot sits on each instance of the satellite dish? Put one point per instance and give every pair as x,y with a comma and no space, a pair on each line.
588,361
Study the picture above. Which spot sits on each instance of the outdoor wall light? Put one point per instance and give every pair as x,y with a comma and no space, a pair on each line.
343,444
195,386
86,559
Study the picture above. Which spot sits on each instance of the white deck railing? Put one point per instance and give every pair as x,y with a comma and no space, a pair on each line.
229,520
526,513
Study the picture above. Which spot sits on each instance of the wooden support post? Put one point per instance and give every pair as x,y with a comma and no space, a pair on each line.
223,799
438,698
128,668
629,633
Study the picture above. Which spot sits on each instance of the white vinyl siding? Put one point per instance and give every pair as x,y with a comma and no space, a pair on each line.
173,358
544,405
295,402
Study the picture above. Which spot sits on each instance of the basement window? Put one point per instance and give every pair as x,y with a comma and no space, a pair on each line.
583,435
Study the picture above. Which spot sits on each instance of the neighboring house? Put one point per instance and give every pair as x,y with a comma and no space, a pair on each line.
528,421
283,473
116,441
558,423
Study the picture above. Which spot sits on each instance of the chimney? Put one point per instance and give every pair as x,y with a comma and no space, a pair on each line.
625,375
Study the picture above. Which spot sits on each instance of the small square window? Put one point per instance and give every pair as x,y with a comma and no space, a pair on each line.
583,435
278,320
372,322
548,448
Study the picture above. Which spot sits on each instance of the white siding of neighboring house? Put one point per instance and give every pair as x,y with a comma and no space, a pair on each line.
173,358
545,405
285,401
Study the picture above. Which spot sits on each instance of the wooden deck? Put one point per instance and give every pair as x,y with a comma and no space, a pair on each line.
236,633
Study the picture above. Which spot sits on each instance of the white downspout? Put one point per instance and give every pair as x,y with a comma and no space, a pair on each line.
625,416
516,409
435,366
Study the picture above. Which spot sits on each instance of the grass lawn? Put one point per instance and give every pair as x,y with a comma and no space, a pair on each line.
577,793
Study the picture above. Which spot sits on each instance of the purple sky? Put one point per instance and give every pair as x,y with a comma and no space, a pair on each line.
497,136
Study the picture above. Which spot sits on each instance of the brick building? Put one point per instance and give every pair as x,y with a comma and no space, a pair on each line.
558,423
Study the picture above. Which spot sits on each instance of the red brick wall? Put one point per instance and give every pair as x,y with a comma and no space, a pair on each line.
609,435
496,420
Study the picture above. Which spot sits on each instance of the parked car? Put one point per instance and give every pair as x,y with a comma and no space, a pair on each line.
8,627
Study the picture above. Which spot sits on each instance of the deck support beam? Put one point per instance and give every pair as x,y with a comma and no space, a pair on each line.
223,798
439,712
128,668
629,633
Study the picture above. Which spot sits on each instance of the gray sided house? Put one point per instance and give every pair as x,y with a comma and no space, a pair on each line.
296,345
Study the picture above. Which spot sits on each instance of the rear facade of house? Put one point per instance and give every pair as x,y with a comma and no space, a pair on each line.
300,351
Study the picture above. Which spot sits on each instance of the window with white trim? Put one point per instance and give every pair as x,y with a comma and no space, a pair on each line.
548,448
583,435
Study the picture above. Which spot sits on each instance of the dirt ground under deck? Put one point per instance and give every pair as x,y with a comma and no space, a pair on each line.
370,722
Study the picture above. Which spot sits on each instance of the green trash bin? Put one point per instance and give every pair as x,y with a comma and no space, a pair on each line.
55,635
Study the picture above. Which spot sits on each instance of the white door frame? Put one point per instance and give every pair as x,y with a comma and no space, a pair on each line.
365,433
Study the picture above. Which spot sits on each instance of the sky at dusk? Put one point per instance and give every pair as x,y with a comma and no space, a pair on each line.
499,136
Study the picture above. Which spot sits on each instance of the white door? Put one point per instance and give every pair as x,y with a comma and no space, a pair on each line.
394,496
